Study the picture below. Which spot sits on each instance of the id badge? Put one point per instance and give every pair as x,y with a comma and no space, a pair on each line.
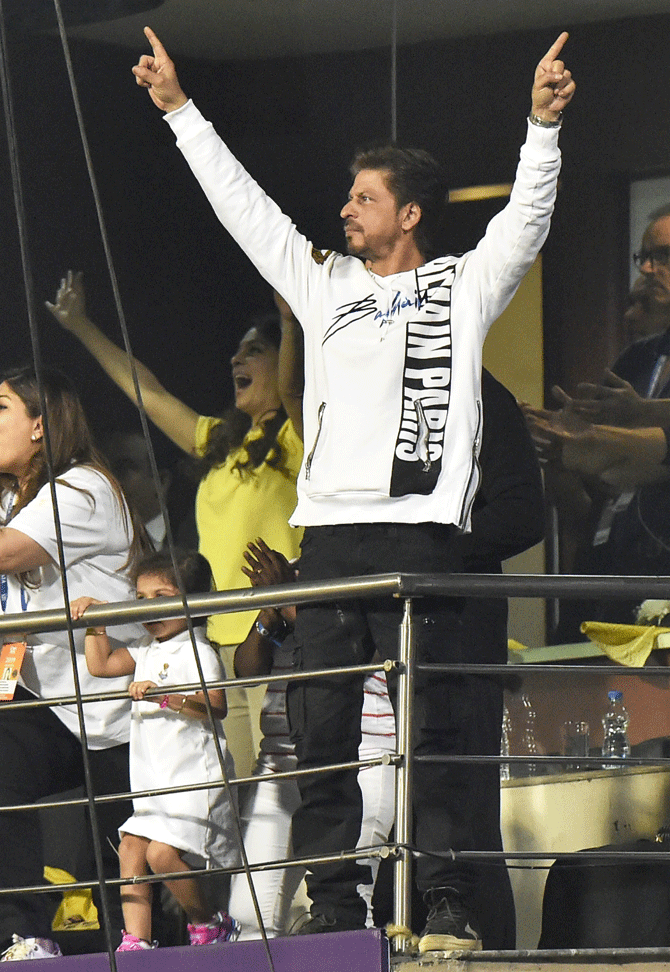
11,659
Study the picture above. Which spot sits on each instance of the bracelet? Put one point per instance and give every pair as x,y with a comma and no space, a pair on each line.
92,632
163,704
543,123
268,635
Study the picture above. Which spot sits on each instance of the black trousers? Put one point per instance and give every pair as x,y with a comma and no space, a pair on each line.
455,806
39,757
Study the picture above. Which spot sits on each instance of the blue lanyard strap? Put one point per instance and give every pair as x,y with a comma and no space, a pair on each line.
4,584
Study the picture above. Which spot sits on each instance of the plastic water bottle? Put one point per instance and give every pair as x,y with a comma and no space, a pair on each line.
528,739
505,738
615,726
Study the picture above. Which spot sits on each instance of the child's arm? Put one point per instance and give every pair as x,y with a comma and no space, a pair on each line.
101,659
192,706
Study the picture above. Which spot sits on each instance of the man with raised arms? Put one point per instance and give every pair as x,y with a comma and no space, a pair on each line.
392,427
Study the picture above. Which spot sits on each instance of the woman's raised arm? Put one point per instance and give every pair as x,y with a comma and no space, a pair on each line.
172,416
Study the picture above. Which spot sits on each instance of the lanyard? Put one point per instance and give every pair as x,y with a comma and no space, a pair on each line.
4,583
659,376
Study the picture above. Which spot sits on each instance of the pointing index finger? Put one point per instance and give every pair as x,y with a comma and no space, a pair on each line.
555,48
156,45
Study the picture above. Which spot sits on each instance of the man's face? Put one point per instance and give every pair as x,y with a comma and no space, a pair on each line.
656,266
644,316
372,220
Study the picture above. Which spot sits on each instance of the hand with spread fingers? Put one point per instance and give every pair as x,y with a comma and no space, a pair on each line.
553,87
617,458
551,429
156,72
613,402
69,308
266,566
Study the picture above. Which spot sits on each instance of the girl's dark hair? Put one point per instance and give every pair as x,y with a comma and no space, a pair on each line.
193,568
228,434
70,438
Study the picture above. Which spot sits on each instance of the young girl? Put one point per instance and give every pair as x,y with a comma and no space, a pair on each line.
171,744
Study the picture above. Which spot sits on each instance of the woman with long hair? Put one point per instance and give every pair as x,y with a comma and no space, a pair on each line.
95,544
250,460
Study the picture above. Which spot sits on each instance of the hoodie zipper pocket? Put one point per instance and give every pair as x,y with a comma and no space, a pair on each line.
475,472
422,438
310,457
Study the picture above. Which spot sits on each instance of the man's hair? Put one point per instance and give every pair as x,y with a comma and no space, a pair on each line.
658,214
193,568
412,175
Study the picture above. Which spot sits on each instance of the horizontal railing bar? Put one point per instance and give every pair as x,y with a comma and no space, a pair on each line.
550,956
370,668
509,668
216,602
348,670
595,761
381,850
403,585
590,855
387,759
576,586
388,666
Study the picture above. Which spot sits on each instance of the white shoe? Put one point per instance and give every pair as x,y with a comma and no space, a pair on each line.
30,948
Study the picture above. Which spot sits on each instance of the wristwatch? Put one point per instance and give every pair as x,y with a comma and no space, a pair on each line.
543,123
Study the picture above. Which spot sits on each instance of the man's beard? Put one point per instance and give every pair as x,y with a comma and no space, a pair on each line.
360,250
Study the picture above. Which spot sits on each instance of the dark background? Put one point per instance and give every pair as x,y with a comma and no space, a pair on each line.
295,122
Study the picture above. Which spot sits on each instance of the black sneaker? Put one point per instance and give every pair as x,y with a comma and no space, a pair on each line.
448,927
318,924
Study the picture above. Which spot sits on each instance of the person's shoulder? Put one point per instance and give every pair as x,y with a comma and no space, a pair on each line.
324,258
209,656
447,265
643,348
88,479
203,427
137,644
494,393
287,435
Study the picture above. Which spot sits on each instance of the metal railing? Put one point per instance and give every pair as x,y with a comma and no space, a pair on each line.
406,587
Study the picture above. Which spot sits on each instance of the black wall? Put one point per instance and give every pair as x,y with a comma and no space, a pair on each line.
295,122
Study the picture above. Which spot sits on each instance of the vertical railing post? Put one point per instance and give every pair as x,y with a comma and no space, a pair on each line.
402,889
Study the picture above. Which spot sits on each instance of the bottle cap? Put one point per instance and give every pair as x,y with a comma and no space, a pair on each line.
615,695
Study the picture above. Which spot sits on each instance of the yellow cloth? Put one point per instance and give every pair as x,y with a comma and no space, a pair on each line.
232,508
76,911
513,645
627,644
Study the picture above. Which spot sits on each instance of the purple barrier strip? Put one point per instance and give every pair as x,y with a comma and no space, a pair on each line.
357,951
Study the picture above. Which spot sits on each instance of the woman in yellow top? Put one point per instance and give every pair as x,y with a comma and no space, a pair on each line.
250,460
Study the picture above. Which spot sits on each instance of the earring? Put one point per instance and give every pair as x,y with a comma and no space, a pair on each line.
35,438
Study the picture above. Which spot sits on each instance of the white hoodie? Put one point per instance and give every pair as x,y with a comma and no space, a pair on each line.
392,409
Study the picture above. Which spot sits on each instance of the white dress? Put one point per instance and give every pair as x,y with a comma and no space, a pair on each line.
169,749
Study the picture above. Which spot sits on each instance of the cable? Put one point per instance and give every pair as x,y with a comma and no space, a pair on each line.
151,453
30,301
17,186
